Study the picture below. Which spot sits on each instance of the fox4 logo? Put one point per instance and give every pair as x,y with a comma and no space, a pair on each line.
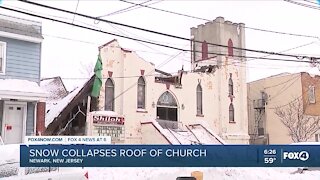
302,155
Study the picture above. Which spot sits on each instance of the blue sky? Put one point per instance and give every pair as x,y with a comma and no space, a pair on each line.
66,48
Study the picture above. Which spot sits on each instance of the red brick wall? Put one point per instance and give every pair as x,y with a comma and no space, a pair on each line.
306,81
41,112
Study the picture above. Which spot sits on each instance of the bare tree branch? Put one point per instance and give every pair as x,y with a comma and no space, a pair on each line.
87,69
301,127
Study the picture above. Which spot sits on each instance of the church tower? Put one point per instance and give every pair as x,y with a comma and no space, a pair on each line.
207,37
217,49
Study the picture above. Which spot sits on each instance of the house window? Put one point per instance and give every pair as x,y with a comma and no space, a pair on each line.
230,84
2,57
199,100
231,113
230,47
204,50
141,93
109,95
311,94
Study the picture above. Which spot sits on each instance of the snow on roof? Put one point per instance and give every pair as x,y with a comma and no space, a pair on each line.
57,107
196,134
55,87
18,85
46,81
183,137
204,136
167,134
19,28
50,104
206,127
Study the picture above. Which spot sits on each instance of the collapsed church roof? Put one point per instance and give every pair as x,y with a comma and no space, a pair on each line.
60,106
198,133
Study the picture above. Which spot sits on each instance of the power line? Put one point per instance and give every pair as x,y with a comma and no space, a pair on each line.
297,98
94,43
293,48
124,9
163,10
130,8
116,28
311,2
233,63
135,39
159,33
248,59
135,76
281,106
74,16
148,74
145,51
88,28
283,89
204,19
55,16
302,93
302,4
159,52
138,41
133,85
293,78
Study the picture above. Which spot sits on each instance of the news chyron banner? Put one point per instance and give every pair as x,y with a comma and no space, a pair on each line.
81,155
49,140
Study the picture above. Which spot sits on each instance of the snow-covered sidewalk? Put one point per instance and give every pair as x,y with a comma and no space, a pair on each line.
208,173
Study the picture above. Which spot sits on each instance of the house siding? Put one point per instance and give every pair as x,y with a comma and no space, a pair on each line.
22,60
30,119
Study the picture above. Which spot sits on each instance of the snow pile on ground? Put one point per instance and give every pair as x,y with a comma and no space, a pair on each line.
306,143
10,162
208,173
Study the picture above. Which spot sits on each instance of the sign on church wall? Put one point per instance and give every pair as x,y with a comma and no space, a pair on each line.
104,124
